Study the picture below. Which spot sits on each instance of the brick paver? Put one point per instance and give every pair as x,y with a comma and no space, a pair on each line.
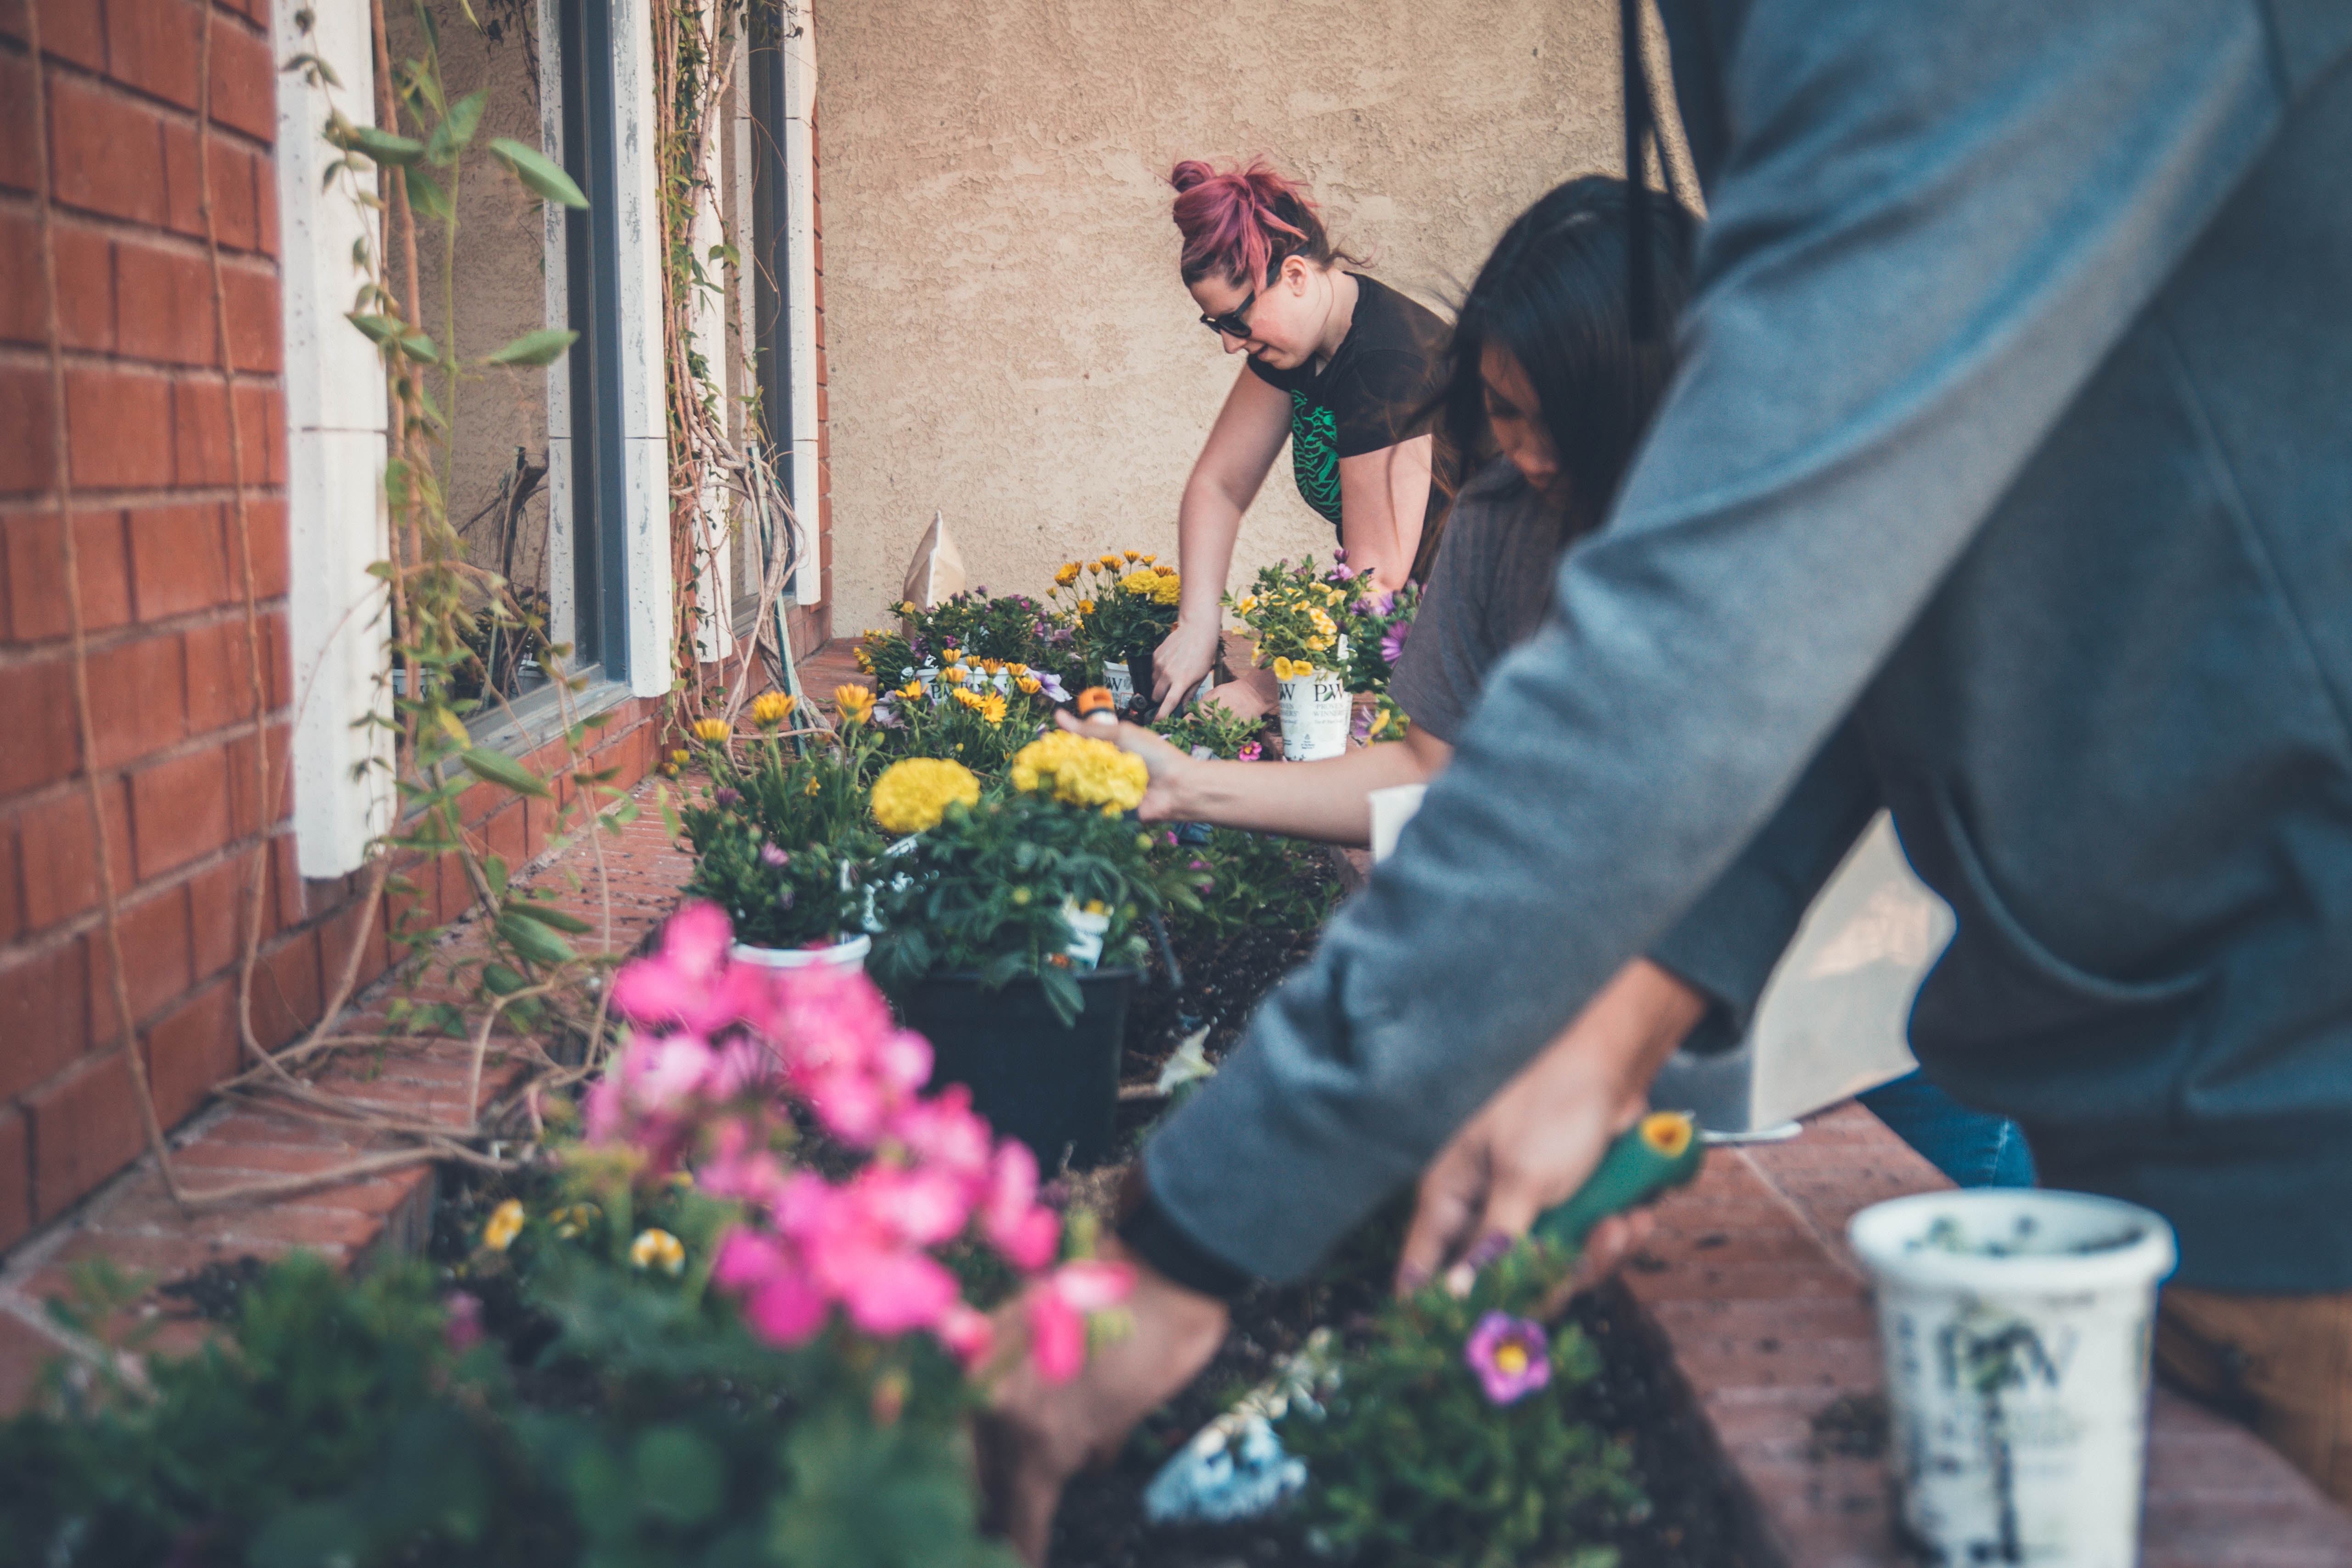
1748,1279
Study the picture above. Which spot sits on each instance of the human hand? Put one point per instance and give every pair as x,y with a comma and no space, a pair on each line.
1170,766
1540,1138
1180,662
1036,1434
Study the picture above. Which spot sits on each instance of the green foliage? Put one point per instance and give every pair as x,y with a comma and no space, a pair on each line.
764,801
1211,726
1012,629
1248,881
1411,1464
1123,605
988,889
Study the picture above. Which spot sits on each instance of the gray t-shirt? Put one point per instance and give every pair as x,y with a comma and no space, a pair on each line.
1489,591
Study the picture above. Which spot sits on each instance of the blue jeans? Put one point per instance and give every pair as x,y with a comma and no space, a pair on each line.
1971,1147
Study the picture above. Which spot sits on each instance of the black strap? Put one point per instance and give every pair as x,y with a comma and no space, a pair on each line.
1640,289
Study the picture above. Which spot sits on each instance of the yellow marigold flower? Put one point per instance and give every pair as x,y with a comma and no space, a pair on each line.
1028,685
1169,590
505,1223
771,709
1078,770
1142,582
1086,607
992,708
1066,576
712,732
911,793
954,674
658,1249
853,704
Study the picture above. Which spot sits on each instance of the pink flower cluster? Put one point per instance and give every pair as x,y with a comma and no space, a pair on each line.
721,1052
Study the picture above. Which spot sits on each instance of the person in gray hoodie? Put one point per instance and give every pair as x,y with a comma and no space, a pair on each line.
2005,482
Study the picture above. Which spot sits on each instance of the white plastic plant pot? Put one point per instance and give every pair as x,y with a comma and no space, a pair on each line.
2016,1328
1120,682
1393,807
1314,716
848,953
1086,934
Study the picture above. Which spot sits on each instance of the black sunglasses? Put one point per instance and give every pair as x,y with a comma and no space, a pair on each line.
1232,323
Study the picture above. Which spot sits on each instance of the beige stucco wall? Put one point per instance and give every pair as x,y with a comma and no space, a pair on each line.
1009,341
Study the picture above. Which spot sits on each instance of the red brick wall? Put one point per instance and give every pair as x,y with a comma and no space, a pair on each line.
175,733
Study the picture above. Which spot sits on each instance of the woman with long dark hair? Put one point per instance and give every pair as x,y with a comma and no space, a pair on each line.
1543,373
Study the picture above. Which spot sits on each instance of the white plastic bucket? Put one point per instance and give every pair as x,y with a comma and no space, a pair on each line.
849,955
2016,1327
1314,716
1086,933
1122,683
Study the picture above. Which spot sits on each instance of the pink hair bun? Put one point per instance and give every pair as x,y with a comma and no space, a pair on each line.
1238,222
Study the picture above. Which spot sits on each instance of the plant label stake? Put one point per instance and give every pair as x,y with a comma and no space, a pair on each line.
1235,1468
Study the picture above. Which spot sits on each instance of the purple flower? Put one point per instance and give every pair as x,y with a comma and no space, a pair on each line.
1392,644
918,644
1051,687
771,856
725,796
1361,730
462,1329
1251,750
1509,1356
1340,553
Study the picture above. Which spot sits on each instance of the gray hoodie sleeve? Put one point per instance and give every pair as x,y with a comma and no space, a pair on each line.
1929,225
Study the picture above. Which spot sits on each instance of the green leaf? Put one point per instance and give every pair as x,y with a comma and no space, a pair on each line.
458,127
421,348
534,940
379,328
494,872
559,919
501,981
384,146
679,1475
498,768
542,347
426,194
538,171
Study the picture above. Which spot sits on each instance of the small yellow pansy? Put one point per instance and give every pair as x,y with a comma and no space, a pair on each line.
658,1249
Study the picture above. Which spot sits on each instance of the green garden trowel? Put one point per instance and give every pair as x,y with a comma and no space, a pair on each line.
1659,1151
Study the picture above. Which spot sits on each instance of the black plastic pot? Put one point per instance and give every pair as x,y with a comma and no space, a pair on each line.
1054,1088
1139,669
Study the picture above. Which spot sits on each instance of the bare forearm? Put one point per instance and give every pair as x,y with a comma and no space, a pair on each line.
1207,522
1325,799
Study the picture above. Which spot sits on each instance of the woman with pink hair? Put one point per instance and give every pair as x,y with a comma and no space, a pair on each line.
1345,368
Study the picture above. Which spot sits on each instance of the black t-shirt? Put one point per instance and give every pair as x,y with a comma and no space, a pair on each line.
1377,391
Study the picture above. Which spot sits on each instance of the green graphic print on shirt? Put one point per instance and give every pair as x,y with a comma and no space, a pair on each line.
1315,455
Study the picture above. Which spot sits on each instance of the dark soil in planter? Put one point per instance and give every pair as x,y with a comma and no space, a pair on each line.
1635,1399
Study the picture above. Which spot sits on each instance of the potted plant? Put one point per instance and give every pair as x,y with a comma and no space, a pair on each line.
1124,606
1013,935
781,839
976,711
1295,616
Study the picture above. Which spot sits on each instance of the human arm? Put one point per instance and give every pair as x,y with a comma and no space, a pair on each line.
1949,219
1383,497
1250,430
1326,799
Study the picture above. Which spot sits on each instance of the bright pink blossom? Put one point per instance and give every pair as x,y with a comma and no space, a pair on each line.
1057,1309
690,983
